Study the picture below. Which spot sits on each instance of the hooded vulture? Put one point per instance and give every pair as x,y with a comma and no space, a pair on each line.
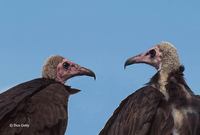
39,106
165,106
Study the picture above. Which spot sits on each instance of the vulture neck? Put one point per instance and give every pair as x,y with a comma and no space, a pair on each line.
162,82
171,84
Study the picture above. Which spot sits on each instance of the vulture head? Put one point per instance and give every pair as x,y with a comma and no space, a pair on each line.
163,57
61,69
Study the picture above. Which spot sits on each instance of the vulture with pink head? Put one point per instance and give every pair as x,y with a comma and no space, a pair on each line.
165,106
39,106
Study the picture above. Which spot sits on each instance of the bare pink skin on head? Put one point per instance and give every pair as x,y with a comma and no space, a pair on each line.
67,69
164,58
151,57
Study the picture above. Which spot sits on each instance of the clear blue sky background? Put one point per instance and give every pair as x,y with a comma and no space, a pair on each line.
99,35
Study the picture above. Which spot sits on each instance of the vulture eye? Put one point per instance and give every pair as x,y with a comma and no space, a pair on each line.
152,53
66,65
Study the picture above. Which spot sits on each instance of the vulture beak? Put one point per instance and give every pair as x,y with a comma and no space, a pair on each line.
85,71
149,58
135,59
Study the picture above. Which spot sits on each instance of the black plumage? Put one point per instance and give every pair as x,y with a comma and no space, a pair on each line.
127,120
36,107
146,112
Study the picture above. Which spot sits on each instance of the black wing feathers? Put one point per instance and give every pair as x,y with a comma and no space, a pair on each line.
10,99
41,104
135,113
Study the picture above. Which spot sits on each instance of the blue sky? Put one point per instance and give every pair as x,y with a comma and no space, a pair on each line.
99,35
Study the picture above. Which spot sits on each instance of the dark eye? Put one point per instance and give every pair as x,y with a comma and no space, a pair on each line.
152,53
66,65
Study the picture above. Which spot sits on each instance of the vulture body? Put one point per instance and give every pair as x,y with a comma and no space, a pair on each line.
165,106
36,107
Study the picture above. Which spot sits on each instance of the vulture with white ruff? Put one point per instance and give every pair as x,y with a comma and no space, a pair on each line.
165,106
39,106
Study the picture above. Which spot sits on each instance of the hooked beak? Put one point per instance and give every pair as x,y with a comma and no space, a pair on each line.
133,60
87,72
141,58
